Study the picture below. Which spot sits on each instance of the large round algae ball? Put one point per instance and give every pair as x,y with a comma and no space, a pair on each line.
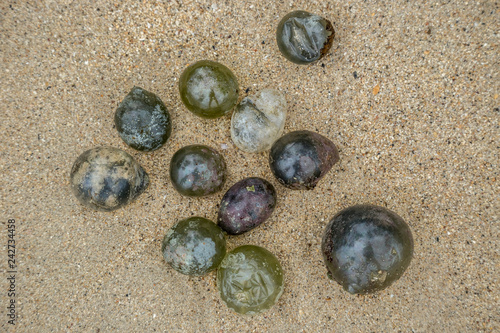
107,178
366,248
247,204
194,246
304,37
258,121
143,121
250,279
208,89
300,159
197,170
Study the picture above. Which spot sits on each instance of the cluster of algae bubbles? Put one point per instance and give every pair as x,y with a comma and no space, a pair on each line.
365,248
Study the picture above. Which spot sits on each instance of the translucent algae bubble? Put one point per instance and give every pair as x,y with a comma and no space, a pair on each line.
143,121
259,120
197,170
250,279
107,178
247,204
366,248
304,37
300,159
208,89
194,246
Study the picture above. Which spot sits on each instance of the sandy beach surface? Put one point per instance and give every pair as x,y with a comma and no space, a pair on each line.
409,93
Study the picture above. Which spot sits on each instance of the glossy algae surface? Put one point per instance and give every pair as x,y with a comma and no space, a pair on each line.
247,204
258,120
366,248
303,37
194,246
143,121
300,159
250,279
106,178
208,89
197,170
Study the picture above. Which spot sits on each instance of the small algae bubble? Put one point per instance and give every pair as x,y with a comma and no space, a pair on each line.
246,205
208,89
250,280
197,171
194,246
107,178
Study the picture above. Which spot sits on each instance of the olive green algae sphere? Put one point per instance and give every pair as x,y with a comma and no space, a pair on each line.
208,89
250,279
194,246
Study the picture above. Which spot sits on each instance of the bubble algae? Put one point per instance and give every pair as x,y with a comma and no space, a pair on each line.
300,159
258,120
194,246
197,170
366,248
106,178
250,279
143,121
303,37
208,89
247,204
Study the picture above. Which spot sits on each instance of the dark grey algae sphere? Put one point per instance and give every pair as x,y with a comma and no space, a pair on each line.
366,248
300,159
107,178
143,121
303,37
197,171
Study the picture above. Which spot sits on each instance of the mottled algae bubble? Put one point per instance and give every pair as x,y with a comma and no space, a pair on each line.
143,121
194,246
250,279
107,178
366,248
258,120
247,204
197,170
300,159
303,37
208,89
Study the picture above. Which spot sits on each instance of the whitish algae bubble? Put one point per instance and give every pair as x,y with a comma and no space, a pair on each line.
208,89
304,37
250,279
107,178
258,120
366,248
194,246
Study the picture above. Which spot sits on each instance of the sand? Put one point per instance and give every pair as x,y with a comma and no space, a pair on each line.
408,92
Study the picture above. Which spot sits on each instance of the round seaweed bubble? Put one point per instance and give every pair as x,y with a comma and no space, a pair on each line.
194,246
197,170
250,279
208,89
366,248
